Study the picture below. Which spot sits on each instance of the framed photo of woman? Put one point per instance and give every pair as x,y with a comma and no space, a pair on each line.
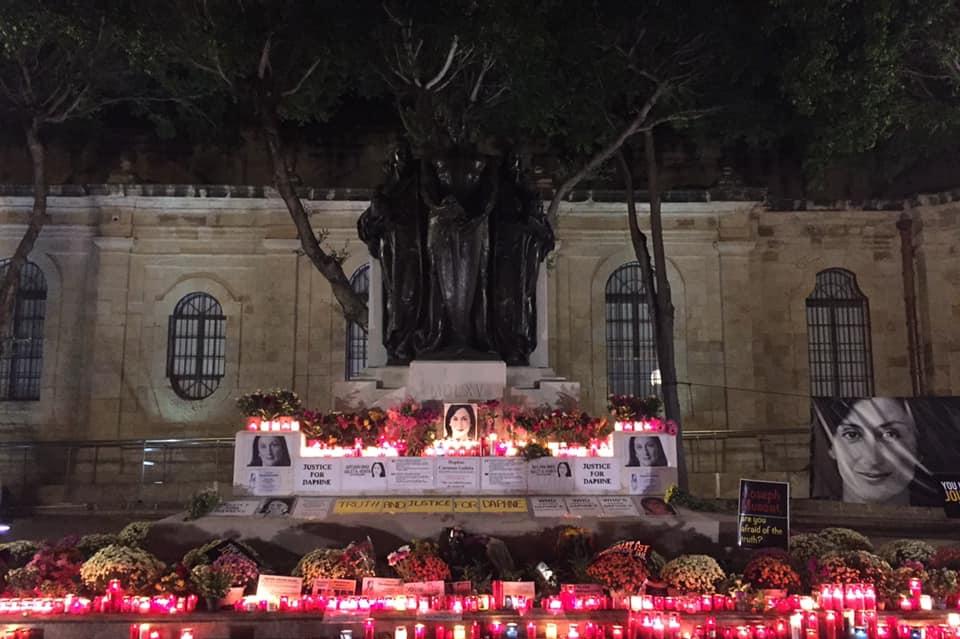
459,423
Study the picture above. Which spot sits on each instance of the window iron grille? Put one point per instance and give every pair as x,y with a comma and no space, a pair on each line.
838,337
356,359
21,364
196,341
632,367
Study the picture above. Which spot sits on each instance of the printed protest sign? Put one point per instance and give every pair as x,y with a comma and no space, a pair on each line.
763,515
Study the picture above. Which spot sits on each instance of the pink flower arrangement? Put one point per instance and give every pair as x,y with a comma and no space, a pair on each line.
242,570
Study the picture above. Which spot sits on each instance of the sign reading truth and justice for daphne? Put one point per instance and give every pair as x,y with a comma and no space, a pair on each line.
884,450
950,483
763,515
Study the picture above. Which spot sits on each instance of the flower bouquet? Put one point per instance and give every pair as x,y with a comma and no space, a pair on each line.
946,557
353,562
692,574
211,584
898,553
16,554
944,585
270,404
136,569
176,582
845,539
627,408
242,570
769,572
134,533
621,567
53,571
419,561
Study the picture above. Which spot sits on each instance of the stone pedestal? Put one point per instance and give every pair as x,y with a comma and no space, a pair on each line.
386,386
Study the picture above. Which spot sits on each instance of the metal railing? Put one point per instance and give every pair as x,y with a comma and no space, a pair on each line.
151,469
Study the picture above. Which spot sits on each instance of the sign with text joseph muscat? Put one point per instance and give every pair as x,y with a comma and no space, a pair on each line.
763,514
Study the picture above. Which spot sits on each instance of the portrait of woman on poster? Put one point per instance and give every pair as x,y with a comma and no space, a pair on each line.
645,451
377,470
460,422
656,506
269,450
275,508
563,470
875,449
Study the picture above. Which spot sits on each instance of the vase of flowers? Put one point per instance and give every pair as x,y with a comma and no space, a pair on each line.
211,583
135,569
356,561
242,572
692,574
773,575
419,561
618,568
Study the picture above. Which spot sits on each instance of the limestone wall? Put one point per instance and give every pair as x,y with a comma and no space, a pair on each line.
117,264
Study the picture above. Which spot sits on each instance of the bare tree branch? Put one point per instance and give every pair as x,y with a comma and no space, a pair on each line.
264,65
487,65
605,153
303,78
216,60
67,112
446,65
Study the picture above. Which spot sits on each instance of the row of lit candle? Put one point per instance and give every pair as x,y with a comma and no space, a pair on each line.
643,426
282,424
853,596
489,447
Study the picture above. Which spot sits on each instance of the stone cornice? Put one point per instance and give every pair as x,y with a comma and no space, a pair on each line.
348,200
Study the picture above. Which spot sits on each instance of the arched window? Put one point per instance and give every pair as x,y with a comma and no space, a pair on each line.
838,337
196,338
22,359
356,335
631,351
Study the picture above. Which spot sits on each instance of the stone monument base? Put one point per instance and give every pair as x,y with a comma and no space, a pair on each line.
423,380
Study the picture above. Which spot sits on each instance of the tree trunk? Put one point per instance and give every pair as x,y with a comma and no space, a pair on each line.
353,305
38,217
663,319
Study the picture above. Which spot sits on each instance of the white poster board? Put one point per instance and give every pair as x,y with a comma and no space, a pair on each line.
312,507
645,450
272,587
584,507
237,508
549,507
597,475
503,474
618,506
381,586
363,475
648,481
317,476
458,475
410,474
550,476
263,462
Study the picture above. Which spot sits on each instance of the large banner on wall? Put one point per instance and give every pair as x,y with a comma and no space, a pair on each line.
884,449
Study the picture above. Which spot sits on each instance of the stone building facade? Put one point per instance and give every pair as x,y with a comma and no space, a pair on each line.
116,264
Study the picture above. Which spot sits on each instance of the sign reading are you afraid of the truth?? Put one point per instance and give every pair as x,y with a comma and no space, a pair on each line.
763,514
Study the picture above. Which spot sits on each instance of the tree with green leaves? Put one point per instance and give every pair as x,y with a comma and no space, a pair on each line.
634,70
270,65
59,63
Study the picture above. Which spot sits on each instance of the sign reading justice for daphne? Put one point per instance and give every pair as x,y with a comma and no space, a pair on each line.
596,475
317,476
